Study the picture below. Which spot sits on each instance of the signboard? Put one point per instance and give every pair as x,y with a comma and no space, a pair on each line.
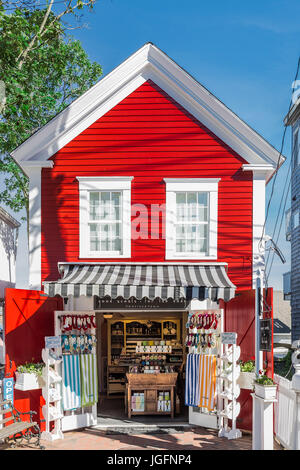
266,335
52,342
133,303
8,390
228,338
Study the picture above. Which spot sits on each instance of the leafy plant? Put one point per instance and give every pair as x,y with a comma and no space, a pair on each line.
263,379
31,368
42,70
247,366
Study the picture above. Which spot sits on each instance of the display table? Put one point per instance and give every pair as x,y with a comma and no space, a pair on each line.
150,394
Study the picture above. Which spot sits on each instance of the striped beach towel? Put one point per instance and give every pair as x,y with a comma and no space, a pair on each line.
207,381
89,385
192,380
71,383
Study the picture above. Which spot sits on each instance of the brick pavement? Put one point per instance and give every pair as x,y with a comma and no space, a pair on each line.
194,439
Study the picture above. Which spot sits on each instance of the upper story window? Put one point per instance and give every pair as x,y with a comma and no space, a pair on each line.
105,210
191,218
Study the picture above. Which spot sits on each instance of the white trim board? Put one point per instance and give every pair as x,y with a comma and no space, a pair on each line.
149,62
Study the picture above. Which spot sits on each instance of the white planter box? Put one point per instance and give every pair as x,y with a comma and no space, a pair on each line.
268,392
246,380
26,381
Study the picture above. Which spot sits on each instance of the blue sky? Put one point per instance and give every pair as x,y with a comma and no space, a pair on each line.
244,52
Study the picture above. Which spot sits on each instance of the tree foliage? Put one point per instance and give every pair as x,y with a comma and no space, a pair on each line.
42,69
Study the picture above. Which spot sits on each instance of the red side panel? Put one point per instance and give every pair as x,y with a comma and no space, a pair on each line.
240,317
29,317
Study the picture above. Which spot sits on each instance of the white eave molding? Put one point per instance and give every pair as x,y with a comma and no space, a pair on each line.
263,171
149,62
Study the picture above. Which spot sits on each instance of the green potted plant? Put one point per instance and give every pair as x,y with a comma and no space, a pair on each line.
265,387
247,375
29,376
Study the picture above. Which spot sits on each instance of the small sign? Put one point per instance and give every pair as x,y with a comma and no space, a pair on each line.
8,390
266,335
52,342
131,303
228,338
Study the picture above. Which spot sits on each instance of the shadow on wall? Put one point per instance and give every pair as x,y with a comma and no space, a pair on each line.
8,240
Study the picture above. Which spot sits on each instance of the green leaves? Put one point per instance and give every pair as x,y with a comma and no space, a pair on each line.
56,71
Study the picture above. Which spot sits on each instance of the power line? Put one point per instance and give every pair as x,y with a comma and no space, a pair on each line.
278,213
278,163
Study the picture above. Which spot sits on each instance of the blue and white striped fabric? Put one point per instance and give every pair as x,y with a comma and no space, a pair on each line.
192,390
71,382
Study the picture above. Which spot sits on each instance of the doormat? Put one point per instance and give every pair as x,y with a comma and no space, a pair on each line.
131,430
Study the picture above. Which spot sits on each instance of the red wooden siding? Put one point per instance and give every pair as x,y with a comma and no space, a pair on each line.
148,136
28,319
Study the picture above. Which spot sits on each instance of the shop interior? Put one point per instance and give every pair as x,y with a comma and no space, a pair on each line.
141,357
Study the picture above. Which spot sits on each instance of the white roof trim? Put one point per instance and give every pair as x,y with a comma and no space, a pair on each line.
149,62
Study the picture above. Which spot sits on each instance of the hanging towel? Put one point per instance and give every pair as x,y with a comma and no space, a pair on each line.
71,382
207,381
192,380
89,385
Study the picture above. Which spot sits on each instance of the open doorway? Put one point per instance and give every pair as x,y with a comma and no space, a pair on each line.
136,346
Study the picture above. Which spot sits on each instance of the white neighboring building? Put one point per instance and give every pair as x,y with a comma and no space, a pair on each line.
9,228
282,324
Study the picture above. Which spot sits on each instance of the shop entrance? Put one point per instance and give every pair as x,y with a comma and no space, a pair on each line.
132,348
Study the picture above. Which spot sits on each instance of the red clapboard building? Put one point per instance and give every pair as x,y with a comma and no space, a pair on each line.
146,187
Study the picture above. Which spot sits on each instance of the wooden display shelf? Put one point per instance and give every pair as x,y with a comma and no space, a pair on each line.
150,385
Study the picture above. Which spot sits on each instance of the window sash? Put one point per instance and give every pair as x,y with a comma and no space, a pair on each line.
105,222
192,222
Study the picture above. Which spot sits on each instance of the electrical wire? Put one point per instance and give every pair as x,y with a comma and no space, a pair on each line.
281,221
278,214
278,164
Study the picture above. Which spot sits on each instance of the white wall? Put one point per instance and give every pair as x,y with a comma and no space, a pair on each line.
8,252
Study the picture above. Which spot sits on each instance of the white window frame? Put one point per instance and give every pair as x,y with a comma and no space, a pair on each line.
89,184
174,185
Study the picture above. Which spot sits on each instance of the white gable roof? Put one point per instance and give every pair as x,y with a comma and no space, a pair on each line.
149,62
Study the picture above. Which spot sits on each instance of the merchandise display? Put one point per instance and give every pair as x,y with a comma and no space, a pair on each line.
78,344
142,347
202,333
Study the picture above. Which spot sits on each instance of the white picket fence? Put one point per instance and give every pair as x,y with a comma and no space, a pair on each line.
285,412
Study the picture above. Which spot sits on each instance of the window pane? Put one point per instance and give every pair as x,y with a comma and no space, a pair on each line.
94,237
105,206
180,246
191,198
94,206
116,244
116,198
180,205
202,199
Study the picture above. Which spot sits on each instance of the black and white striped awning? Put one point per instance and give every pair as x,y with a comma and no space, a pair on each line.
164,281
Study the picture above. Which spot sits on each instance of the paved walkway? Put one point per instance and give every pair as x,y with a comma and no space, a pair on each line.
193,439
